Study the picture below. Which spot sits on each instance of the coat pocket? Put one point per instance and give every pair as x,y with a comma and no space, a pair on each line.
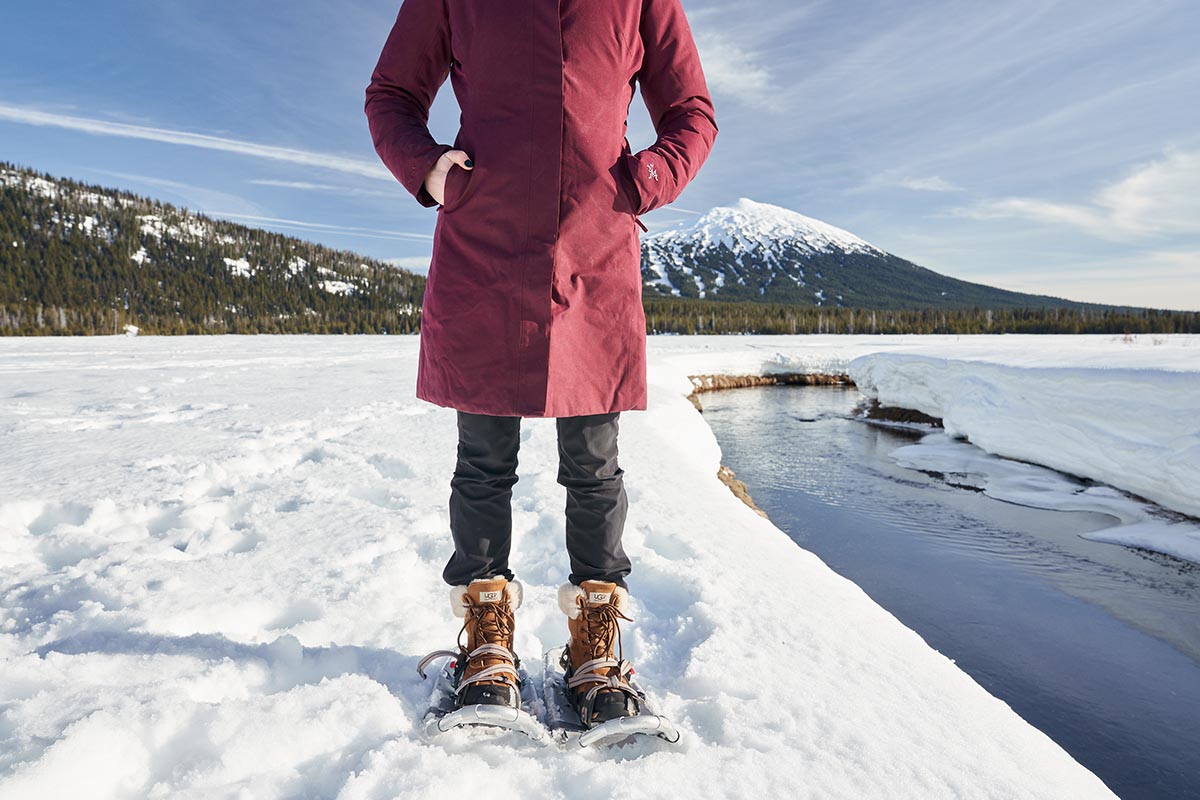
458,180
627,186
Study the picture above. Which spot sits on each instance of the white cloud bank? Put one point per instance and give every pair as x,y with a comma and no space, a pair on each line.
1156,199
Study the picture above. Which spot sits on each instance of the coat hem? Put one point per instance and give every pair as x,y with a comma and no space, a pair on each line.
498,411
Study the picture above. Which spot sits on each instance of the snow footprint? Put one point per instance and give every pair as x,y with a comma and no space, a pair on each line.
667,545
391,468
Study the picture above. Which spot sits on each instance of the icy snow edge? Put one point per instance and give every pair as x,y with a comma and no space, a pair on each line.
1135,429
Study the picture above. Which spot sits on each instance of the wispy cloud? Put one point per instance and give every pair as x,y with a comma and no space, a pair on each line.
1158,198
306,186
931,184
195,197
734,72
100,127
321,227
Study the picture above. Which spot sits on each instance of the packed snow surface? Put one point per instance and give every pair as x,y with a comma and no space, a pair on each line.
222,560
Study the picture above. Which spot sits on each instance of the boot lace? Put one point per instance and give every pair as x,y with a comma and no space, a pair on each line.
600,628
492,622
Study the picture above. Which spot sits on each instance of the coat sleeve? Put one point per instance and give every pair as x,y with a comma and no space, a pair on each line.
676,95
414,64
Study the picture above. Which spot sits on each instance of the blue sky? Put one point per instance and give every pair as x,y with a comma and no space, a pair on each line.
1051,147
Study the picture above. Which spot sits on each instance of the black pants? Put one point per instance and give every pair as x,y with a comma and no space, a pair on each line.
481,491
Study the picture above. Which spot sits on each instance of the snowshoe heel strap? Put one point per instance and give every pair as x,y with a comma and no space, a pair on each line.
436,654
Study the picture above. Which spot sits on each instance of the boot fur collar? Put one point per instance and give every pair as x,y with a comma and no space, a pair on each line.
568,593
513,591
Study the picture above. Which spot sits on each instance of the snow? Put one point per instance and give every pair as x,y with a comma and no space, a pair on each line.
39,186
219,574
140,257
338,287
1133,427
188,226
1121,412
240,266
1139,524
748,225
726,235
296,265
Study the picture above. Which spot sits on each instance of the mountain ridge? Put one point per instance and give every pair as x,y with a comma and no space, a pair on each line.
82,259
758,251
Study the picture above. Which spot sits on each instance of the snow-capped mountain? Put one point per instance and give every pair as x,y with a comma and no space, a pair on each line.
760,251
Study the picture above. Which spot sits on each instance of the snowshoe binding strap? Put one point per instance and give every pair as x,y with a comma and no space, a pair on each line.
588,673
490,624
506,672
436,654
602,672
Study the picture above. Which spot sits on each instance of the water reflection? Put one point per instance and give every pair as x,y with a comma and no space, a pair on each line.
1096,644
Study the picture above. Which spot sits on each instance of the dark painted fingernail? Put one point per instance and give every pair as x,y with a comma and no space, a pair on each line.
470,163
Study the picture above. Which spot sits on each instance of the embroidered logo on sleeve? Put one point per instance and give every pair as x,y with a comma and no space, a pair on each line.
650,169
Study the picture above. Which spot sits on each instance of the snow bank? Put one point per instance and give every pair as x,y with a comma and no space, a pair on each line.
220,572
1121,411
1136,429
1139,524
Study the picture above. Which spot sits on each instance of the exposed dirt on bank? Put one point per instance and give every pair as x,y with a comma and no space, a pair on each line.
712,383
896,414
873,410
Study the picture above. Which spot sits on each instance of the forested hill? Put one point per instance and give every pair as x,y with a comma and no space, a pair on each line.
79,259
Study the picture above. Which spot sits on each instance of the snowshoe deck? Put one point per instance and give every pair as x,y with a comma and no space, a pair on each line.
566,727
444,713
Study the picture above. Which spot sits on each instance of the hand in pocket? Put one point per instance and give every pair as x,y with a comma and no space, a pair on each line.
435,181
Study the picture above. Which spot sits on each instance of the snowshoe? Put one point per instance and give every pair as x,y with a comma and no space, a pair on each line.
590,676
483,684
566,725
445,711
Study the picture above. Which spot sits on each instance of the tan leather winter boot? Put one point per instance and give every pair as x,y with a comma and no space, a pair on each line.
596,673
487,663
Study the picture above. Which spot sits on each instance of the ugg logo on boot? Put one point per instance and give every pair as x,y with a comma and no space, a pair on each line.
490,597
599,597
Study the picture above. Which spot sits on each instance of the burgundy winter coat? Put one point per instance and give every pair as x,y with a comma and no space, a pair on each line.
533,303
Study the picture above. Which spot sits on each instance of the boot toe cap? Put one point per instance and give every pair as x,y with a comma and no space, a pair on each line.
488,694
611,705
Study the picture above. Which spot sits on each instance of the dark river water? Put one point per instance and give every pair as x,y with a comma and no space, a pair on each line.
1096,644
